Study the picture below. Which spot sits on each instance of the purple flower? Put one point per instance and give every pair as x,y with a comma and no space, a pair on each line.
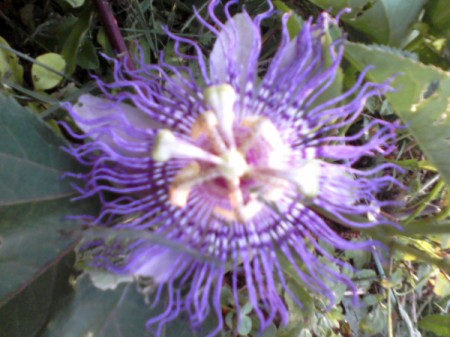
237,164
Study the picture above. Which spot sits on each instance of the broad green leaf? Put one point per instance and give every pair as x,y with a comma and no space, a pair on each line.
44,78
26,311
9,64
438,324
383,21
31,161
34,229
421,99
94,312
113,313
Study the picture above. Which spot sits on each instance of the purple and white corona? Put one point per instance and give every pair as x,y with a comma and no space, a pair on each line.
233,163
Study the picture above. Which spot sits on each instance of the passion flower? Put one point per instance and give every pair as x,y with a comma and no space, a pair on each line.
237,164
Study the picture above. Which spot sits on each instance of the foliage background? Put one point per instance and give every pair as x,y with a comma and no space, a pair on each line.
49,49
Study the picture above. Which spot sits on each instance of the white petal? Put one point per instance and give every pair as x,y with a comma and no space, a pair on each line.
106,280
92,107
290,54
307,178
159,267
235,43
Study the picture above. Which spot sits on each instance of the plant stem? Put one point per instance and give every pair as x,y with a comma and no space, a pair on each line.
443,264
424,203
112,31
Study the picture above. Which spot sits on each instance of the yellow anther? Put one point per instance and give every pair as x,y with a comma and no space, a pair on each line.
165,140
182,184
205,123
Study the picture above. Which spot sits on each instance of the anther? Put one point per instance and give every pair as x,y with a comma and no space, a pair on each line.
221,99
167,146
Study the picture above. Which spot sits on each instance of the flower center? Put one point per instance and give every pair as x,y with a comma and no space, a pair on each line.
234,165
239,165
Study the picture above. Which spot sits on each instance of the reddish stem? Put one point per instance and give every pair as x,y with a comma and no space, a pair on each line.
112,31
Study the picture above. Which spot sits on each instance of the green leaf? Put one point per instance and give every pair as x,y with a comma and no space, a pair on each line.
103,40
93,312
246,309
245,325
421,100
305,333
87,56
271,331
113,313
375,322
75,38
31,161
295,22
437,15
360,257
335,89
43,78
442,285
364,278
9,64
27,311
438,324
75,3
383,21
300,317
34,230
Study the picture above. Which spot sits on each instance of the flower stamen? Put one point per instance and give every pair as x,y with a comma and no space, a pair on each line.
240,212
186,179
167,146
221,99
306,178
207,124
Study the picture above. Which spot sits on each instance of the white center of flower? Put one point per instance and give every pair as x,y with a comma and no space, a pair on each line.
234,164
241,164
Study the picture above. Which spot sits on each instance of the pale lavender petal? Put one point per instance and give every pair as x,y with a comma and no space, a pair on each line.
232,57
